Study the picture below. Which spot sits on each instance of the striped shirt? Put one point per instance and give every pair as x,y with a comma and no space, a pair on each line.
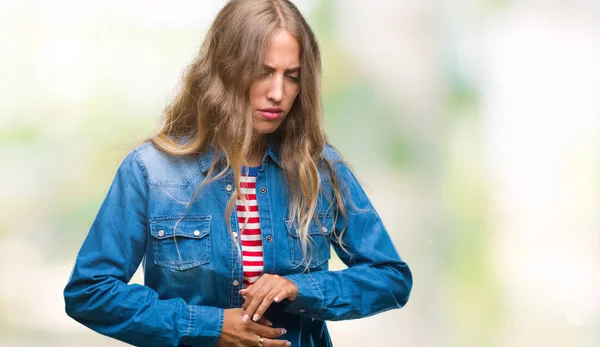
252,248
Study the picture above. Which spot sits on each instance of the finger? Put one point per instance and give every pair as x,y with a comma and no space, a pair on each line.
250,311
250,292
264,331
278,291
263,307
246,301
276,343
282,294
256,300
265,322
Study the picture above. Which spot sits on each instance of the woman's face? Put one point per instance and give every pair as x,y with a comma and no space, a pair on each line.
273,94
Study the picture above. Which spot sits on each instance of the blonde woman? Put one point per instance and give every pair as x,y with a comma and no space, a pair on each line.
233,204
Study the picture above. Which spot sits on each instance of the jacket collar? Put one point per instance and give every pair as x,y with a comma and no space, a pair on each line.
272,152
217,156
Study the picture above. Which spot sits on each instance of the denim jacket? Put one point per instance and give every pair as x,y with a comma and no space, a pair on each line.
188,284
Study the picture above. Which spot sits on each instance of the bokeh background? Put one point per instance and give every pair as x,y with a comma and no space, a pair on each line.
474,126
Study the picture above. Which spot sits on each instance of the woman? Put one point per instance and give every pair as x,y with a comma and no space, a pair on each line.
233,204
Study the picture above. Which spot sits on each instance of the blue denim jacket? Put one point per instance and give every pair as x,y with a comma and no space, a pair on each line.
188,286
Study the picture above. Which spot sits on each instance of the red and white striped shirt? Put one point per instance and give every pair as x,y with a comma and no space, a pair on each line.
252,248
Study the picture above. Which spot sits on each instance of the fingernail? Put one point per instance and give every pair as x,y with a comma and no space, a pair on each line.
276,299
245,318
283,331
255,318
288,343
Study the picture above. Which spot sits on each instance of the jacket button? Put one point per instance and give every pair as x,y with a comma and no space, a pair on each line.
196,232
263,190
235,234
269,238
301,310
324,229
235,283
228,187
161,233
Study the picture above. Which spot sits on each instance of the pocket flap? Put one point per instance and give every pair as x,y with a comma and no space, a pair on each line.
325,227
195,227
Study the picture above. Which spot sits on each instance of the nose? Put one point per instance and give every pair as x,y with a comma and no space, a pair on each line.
275,92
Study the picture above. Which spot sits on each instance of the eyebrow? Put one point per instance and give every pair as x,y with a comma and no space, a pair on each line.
290,70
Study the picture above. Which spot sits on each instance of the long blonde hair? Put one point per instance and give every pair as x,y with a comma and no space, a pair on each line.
212,109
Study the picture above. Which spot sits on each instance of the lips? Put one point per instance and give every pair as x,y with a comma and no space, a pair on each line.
271,113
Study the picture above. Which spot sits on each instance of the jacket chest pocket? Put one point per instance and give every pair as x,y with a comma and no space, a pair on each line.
181,244
318,248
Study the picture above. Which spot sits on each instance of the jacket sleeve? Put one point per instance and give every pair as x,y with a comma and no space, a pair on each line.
98,294
376,279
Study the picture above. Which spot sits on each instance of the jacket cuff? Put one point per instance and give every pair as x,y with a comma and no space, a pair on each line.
310,300
205,326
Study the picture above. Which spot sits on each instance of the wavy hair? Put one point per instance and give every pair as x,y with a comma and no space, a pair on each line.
212,108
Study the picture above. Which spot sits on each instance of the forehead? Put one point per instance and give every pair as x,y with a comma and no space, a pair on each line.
283,50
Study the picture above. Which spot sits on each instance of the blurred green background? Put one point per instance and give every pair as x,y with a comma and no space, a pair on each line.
474,126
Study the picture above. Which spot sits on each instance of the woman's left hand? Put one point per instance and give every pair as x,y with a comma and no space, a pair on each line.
266,290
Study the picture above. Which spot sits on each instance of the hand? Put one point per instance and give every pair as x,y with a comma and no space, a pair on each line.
266,290
237,332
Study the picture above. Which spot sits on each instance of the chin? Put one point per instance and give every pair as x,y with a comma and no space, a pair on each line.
265,130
